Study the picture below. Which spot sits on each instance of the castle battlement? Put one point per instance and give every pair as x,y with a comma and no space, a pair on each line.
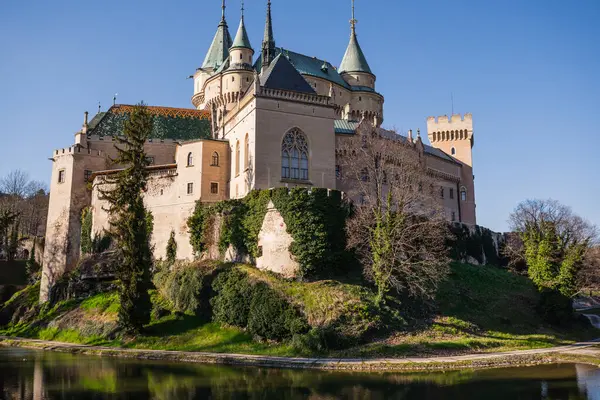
76,149
443,122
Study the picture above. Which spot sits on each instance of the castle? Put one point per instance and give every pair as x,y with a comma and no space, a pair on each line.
260,121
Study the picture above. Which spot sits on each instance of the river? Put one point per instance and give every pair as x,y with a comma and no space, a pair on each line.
26,374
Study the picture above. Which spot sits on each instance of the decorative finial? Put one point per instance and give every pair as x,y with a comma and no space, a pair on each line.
353,21
223,13
242,8
419,132
115,99
99,107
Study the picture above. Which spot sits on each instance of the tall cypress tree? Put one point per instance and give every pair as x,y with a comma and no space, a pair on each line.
123,191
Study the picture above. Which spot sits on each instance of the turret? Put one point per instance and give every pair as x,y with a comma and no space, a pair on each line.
241,51
354,67
268,45
454,136
219,49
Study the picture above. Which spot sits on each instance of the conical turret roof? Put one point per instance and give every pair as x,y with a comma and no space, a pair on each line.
219,49
354,60
241,38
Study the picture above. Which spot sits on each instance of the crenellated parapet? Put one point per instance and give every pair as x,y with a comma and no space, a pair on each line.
453,128
76,149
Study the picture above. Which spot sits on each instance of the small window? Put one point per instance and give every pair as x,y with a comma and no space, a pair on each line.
453,151
359,98
338,171
214,188
453,216
61,176
463,194
260,251
190,160
442,193
241,56
452,193
233,79
87,174
190,188
215,159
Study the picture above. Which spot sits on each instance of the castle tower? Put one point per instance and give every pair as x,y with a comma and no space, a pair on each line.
268,45
241,51
219,49
454,136
354,67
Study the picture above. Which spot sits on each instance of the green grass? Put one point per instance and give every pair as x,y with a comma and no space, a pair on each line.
13,273
480,309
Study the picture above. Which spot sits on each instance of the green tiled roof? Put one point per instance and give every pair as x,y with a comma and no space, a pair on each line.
169,123
341,126
241,38
354,60
219,49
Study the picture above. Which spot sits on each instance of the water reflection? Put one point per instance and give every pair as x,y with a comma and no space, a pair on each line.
37,375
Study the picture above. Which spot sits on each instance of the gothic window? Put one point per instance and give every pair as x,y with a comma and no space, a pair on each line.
294,156
247,152
463,194
453,151
190,160
215,159
237,158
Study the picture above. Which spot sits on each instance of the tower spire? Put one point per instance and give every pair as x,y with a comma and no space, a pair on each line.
241,38
219,49
354,59
268,46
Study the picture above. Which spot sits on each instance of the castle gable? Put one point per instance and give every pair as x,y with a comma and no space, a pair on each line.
282,75
169,123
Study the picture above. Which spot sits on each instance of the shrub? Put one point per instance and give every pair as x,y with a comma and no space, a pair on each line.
186,287
272,317
231,304
555,308
171,249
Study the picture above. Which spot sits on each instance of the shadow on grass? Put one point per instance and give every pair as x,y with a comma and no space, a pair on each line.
174,325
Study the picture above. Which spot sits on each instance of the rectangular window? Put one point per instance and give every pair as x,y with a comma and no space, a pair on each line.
190,188
61,176
442,193
214,188
338,171
451,193
87,174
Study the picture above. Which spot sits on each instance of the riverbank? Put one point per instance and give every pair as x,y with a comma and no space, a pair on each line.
584,352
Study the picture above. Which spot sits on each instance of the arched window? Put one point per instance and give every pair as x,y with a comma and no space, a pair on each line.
294,156
463,194
247,152
237,158
215,159
190,161
453,151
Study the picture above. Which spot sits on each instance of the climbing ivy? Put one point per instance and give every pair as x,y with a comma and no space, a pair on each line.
86,231
315,219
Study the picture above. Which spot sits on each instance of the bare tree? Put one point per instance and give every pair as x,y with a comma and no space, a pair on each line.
398,229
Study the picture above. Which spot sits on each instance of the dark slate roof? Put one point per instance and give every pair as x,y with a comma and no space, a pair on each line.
282,75
169,123
354,59
427,149
311,66
362,89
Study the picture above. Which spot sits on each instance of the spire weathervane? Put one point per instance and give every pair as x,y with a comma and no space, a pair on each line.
353,21
223,13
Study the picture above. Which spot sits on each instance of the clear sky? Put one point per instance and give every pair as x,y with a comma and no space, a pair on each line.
529,71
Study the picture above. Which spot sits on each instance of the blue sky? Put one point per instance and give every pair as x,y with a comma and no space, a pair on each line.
529,71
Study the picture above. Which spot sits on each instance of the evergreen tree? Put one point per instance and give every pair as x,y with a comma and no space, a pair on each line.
171,249
129,220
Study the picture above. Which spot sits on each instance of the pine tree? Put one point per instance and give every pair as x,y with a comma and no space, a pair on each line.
171,249
129,221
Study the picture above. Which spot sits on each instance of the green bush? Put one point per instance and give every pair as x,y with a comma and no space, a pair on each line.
231,304
186,287
272,317
555,308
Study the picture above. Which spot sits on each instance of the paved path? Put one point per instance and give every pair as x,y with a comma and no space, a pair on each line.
517,357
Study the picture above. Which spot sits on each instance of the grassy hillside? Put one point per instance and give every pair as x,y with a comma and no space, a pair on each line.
478,309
